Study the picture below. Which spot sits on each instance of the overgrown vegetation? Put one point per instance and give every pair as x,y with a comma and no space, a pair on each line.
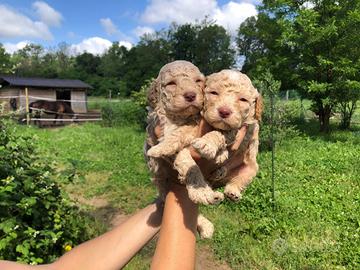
37,221
312,224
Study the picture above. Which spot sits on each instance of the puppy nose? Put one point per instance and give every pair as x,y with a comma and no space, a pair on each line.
224,112
190,96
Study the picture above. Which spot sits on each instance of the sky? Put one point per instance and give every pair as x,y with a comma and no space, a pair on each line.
93,25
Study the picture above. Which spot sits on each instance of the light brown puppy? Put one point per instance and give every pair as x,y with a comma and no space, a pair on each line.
231,101
176,99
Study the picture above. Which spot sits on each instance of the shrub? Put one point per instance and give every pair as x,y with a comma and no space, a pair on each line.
36,220
285,114
128,112
123,113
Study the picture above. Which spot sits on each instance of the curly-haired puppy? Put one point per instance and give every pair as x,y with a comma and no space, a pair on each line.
231,101
176,99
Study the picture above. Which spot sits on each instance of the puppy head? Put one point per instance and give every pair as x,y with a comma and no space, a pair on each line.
230,100
178,89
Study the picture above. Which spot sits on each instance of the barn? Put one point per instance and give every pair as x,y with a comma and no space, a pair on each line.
14,89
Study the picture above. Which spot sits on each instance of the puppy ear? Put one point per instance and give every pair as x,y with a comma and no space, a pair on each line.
153,93
259,105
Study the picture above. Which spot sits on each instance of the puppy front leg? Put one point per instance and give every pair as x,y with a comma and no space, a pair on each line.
190,174
171,144
210,144
240,179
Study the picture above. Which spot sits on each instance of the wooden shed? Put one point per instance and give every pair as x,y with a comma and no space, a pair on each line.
13,92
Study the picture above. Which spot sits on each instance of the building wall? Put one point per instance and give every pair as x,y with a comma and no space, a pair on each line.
79,101
36,94
5,96
46,94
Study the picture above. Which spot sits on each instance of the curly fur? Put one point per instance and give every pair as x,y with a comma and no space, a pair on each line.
175,100
231,101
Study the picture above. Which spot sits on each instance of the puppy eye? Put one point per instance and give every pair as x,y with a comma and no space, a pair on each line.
214,93
199,81
243,99
170,83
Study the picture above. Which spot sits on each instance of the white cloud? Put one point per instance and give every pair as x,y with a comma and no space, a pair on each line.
47,14
94,45
180,11
126,44
15,25
13,47
109,26
230,15
142,30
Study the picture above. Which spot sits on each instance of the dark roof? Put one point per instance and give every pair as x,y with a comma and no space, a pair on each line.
41,82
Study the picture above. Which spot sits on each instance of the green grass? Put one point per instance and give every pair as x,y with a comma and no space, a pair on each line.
314,222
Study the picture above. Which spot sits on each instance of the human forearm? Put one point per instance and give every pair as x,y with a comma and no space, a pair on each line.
176,245
115,248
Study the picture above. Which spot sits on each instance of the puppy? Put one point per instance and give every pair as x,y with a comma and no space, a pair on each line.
175,100
178,101
231,101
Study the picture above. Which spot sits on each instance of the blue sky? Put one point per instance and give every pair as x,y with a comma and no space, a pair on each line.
92,25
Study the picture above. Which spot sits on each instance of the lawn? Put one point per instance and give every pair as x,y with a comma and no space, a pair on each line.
314,222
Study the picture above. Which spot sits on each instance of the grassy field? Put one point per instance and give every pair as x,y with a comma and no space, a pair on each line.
314,222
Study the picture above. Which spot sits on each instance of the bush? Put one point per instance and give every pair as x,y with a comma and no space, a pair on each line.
123,113
286,113
36,221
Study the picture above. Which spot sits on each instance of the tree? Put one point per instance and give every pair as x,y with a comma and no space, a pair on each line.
314,41
29,60
5,62
113,61
145,60
205,44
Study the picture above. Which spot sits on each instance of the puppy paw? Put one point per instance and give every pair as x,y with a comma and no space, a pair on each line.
205,227
232,192
205,195
205,149
158,151
221,157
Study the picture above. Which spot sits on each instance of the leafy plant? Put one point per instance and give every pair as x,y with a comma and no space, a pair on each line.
36,219
123,113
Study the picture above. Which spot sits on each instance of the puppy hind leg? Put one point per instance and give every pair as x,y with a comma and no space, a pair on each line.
189,173
204,227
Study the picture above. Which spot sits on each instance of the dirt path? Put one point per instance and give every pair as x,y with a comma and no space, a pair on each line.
112,217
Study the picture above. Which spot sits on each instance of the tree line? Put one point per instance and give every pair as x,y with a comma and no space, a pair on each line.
309,46
122,71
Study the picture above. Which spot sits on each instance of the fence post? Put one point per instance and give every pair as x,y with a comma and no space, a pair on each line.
27,106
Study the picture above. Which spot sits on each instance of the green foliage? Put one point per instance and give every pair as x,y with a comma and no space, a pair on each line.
140,97
309,46
315,222
285,116
5,61
123,113
36,220
205,44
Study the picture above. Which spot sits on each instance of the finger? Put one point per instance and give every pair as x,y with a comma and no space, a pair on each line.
204,127
158,131
239,138
235,161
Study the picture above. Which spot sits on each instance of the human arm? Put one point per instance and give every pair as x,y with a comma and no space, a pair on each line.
110,251
175,248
